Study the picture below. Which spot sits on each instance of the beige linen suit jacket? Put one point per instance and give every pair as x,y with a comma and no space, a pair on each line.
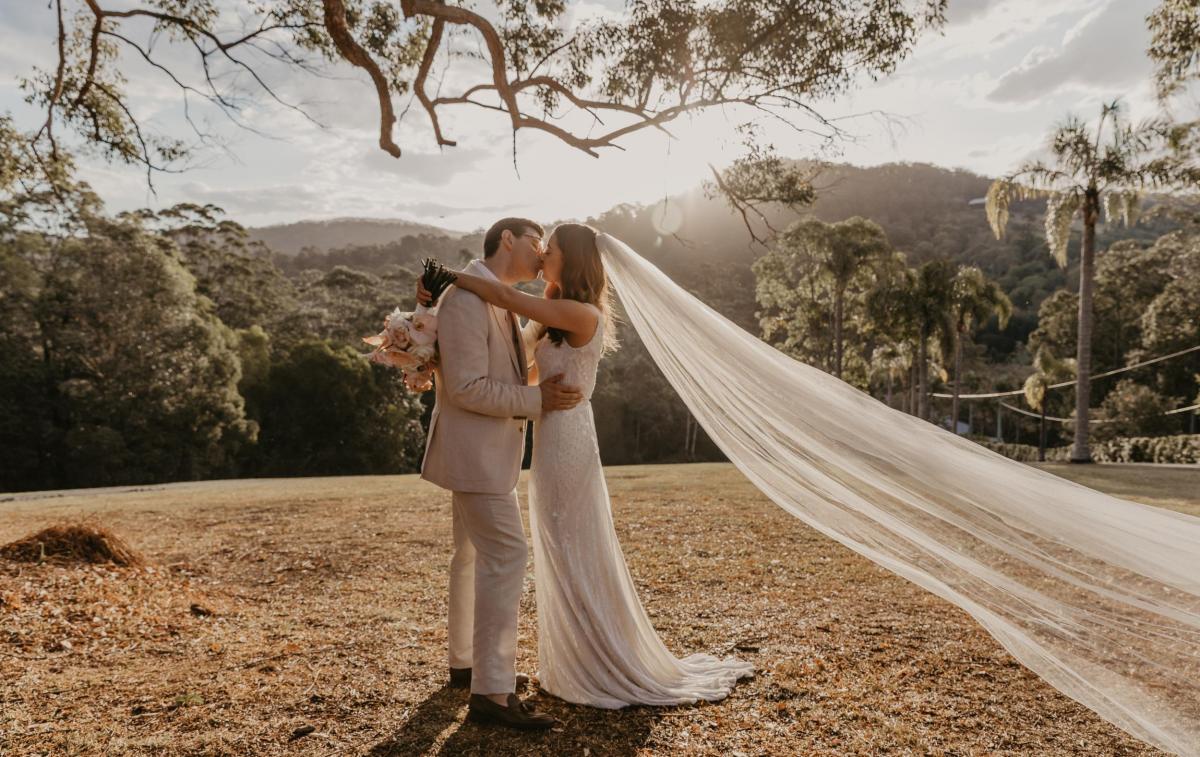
476,435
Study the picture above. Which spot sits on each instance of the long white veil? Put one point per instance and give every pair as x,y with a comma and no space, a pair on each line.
1097,595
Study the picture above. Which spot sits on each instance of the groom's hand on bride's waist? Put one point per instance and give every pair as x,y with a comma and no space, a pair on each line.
558,396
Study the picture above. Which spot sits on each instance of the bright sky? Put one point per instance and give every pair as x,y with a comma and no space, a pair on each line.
983,95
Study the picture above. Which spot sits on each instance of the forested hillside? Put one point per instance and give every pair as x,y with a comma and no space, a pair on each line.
266,343
927,212
291,238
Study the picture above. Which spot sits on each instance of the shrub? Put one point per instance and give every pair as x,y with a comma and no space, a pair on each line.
1133,409
1181,448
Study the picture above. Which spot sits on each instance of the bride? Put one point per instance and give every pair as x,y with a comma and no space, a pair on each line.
596,645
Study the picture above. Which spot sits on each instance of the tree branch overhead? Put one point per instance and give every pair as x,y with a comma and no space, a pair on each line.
660,60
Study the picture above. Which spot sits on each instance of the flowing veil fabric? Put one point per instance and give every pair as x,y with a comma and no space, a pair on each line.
1097,595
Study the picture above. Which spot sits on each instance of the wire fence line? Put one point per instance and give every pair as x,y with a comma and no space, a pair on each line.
1060,385
1032,414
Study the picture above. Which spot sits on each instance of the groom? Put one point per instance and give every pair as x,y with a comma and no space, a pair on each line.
474,448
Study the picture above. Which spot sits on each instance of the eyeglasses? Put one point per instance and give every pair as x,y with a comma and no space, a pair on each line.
539,244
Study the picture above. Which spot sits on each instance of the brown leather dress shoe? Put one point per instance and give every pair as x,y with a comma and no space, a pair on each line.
517,714
460,678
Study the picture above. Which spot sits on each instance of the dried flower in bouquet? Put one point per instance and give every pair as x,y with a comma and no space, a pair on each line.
409,340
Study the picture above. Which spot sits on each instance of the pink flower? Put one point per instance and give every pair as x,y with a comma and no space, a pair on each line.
398,328
393,358
408,342
419,380
423,352
423,328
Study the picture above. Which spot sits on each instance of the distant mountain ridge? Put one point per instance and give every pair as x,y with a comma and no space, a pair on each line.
894,194
290,238
927,212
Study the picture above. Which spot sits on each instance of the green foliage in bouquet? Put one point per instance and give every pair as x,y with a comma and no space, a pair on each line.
436,279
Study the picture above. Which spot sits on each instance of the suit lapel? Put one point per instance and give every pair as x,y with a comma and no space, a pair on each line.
501,318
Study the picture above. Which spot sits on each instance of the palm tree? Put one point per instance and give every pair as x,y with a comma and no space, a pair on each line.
891,362
1047,369
933,295
1105,168
892,317
853,245
1174,47
974,299
914,306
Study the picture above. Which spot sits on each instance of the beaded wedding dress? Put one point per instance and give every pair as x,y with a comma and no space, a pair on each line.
596,645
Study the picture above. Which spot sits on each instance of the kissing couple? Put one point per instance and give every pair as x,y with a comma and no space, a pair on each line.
596,645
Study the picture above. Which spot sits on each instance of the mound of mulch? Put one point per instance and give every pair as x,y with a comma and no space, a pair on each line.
73,542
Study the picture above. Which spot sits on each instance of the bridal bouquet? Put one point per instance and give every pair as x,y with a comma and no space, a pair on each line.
409,340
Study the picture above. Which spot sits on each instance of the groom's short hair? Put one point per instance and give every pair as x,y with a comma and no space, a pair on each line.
518,226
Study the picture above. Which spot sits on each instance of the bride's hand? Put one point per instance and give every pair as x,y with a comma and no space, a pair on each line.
423,295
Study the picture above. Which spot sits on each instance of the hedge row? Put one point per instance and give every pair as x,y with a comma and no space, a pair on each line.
1026,453
1182,448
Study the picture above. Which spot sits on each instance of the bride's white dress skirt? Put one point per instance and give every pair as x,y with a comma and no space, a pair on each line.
596,645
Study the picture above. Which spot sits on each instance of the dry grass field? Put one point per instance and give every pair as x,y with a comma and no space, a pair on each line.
306,616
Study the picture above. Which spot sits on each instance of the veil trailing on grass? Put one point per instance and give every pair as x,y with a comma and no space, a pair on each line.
1097,595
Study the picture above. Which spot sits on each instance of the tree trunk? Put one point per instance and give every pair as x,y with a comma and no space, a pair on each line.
999,421
1083,354
838,298
912,389
889,388
687,434
1042,434
957,380
922,381
970,419
690,432
49,472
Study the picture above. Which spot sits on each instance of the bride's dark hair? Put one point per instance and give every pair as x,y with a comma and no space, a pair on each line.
583,276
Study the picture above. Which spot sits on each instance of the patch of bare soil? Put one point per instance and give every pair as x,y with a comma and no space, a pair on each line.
307,616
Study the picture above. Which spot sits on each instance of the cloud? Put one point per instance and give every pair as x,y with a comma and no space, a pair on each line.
980,32
963,11
258,200
1104,50
430,209
428,168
